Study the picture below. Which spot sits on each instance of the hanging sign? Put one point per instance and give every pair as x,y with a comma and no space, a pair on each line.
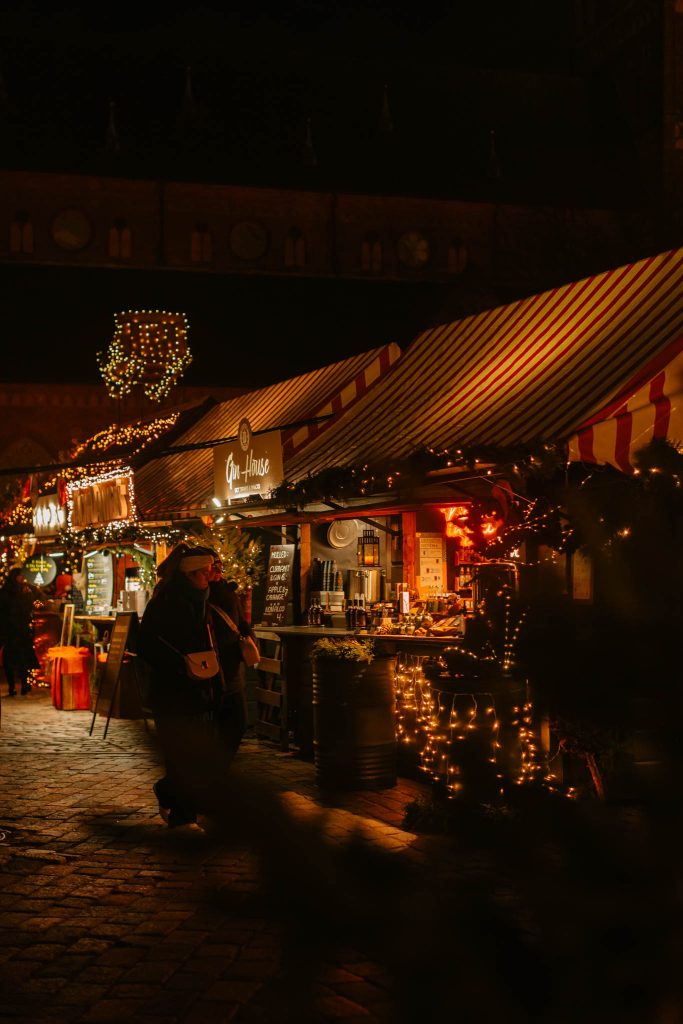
278,584
48,516
102,501
249,465
40,570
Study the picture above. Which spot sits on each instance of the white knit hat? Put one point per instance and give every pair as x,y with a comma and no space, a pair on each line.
190,563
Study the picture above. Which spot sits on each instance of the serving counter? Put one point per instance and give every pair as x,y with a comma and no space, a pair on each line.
297,665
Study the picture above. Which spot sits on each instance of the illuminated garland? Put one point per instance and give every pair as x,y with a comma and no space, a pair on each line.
436,721
365,479
113,474
149,347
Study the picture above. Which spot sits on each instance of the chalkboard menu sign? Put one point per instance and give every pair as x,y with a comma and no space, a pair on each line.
278,584
121,635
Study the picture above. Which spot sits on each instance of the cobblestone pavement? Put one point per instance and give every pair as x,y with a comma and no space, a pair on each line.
106,915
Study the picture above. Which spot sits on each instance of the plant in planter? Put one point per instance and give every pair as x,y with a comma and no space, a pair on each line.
354,721
343,649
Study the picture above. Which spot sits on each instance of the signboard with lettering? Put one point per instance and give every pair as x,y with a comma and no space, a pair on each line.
278,584
48,516
249,465
40,570
101,502
430,564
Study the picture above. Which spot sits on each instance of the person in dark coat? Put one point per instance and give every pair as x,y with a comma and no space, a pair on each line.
231,710
16,631
175,623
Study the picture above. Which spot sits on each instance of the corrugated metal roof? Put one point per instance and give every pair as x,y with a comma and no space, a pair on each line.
185,481
532,370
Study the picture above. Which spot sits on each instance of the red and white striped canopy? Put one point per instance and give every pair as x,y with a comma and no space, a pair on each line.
535,370
649,407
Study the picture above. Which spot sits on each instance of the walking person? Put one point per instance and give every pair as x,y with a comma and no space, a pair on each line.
175,624
16,632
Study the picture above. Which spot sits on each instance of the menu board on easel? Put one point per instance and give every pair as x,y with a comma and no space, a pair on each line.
430,563
110,679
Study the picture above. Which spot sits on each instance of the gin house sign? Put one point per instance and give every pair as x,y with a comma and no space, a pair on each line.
252,464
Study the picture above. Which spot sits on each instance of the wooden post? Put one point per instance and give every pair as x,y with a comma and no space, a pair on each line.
304,563
409,520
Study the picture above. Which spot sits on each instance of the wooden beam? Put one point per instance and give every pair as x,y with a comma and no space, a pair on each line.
409,521
304,562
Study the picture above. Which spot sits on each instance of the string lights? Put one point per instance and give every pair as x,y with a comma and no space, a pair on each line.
149,347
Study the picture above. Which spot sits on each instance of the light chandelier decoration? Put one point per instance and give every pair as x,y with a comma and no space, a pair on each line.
150,348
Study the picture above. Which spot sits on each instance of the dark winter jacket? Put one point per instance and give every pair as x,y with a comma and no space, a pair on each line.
225,596
16,627
176,617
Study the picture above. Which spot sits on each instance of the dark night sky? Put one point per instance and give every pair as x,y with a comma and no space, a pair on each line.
259,70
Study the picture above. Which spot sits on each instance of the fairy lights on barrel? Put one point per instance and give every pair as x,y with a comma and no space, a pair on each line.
149,348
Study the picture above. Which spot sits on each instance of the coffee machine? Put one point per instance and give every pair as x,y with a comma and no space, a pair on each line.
370,584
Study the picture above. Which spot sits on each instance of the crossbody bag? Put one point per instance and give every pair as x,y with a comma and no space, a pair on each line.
199,665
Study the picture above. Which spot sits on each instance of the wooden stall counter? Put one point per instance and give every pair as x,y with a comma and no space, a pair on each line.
295,680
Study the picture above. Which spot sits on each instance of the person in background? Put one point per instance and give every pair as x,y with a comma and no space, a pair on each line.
63,584
231,709
16,631
175,623
74,594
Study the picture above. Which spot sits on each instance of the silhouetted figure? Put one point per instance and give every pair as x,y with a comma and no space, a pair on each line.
16,631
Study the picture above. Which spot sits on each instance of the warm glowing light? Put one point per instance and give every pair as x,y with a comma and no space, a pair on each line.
149,347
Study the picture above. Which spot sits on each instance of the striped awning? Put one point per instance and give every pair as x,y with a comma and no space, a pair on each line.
650,407
531,371
184,482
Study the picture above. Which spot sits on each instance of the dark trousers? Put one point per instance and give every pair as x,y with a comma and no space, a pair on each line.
197,751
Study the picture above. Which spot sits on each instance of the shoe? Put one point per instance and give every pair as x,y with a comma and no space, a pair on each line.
176,820
25,689
165,812
11,693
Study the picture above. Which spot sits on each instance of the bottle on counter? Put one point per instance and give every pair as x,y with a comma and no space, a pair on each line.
349,615
361,616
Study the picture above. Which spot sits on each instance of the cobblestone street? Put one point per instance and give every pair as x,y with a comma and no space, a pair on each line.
299,907
107,915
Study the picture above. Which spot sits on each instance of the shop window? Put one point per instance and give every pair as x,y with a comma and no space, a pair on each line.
371,254
295,249
120,240
21,234
201,245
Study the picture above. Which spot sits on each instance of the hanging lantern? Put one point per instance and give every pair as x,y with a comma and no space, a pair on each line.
368,548
150,348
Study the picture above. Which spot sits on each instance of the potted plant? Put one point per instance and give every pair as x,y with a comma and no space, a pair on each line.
345,648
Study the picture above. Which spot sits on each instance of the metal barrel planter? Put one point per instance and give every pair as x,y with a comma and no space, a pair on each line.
354,723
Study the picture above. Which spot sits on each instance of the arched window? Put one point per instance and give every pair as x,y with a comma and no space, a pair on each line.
120,240
295,249
21,233
201,245
371,254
